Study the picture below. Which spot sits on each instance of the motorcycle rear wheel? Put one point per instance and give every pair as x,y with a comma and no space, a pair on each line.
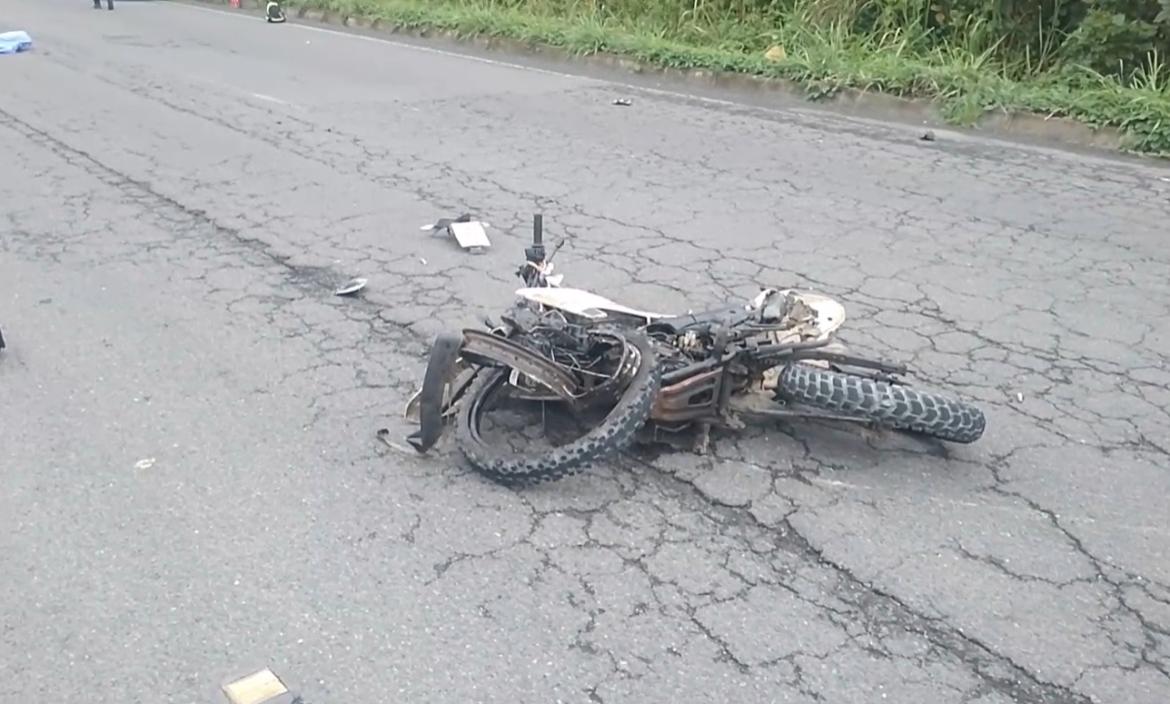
612,435
892,405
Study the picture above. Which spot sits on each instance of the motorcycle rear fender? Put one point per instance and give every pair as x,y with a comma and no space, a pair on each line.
432,403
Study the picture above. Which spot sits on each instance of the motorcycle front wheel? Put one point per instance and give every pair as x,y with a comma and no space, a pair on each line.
611,435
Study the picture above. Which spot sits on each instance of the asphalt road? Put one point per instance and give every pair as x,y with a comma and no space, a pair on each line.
190,487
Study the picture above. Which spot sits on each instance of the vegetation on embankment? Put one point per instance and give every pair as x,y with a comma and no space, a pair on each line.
1101,62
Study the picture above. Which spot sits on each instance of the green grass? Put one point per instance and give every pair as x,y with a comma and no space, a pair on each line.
965,73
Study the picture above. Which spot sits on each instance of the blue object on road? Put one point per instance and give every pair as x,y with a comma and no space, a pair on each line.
14,42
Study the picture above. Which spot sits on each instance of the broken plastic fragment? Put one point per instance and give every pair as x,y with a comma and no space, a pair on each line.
469,233
15,42
351,287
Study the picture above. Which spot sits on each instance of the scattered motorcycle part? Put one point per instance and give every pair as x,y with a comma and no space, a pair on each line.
1,339
624,102
470,235
927,136
351,287
383,435
15,42
444,353
467,231
442,224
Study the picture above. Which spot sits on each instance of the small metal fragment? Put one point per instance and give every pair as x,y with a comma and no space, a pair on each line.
383,435
351,287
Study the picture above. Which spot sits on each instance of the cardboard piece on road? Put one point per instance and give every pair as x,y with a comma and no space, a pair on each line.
261,687
470,235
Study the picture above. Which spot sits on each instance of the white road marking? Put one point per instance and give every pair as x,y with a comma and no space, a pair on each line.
270,99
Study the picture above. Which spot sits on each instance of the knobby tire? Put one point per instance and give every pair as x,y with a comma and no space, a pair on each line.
892,405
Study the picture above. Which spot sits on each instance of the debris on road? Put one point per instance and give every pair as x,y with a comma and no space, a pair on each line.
444,223
383,436
261,687
273,12
469,233
351,287
927,136
15,42
624,102
144,463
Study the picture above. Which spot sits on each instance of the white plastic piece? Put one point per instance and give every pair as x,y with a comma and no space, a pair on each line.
470,235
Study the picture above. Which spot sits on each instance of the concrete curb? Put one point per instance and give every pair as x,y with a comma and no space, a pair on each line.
1052,131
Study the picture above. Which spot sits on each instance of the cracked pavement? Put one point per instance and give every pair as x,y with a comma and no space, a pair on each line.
191,483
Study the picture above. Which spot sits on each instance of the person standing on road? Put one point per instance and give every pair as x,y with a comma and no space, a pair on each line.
97,4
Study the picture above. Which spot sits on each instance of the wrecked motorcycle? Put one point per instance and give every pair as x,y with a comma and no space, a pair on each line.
774,357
